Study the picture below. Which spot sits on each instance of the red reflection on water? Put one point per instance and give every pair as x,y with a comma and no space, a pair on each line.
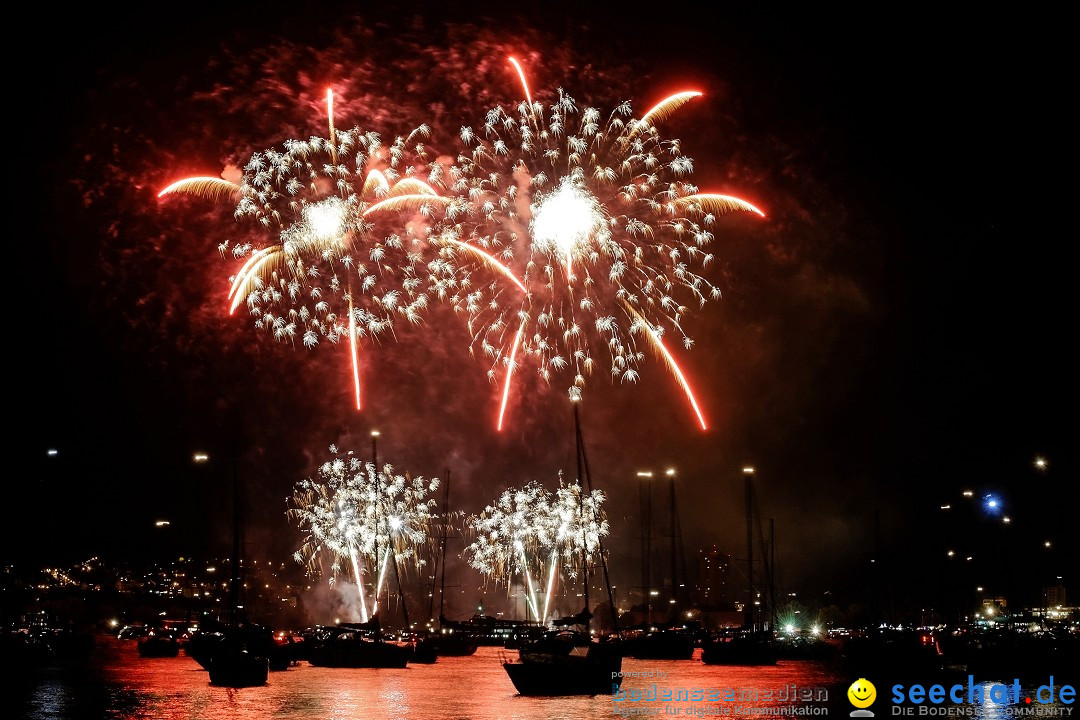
124,685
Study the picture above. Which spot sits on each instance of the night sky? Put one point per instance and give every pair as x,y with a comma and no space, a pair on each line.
894,332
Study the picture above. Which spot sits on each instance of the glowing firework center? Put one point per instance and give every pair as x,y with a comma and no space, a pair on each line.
323,224
566,219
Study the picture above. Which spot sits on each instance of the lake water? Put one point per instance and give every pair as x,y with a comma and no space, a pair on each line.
116,683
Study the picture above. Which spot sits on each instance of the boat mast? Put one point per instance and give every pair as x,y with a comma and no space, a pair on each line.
772,574
234,586
375,467
442,570
583,462
581,516
749,473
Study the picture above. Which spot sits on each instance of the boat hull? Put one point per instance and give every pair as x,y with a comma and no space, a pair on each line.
238,669
551,674
359,654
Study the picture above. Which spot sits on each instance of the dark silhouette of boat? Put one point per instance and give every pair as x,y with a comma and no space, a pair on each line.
159,643
751,644
233,665
557,642
425,650
660,644
741,648
905,653
355,645
592,670
568,667
239,655
452,639
256,639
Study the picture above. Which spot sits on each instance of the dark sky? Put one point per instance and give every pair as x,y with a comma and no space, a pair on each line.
892,334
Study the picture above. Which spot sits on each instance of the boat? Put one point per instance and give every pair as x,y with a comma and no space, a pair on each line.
592,670
424,649
750,645
657,643
741,648
159,643
257,639
452,639
568,667
453,642
239,656
233,665
355,645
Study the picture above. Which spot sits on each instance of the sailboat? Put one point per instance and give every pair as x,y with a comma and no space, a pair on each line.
570,668
235,658
451,639
750,645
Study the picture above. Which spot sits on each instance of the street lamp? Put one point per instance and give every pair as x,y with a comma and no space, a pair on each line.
645,500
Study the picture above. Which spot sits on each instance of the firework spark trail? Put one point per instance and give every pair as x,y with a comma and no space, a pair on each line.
509,374
353,352
324,257
349,511
593,220
553,563
213,188
529,582
524,83
673,366
379,584
665,107
359,583
530,532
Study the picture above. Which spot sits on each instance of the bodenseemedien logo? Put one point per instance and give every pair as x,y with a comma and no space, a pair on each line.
862,694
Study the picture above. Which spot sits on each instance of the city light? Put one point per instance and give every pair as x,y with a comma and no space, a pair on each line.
200,457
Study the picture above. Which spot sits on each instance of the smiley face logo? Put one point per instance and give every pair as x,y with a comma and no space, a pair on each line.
862,693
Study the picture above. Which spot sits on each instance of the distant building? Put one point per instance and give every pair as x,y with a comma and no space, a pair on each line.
713,579
1054,596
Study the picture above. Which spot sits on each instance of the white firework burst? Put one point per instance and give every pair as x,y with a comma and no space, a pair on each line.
572,236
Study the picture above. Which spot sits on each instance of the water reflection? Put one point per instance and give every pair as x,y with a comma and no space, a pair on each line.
117,683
